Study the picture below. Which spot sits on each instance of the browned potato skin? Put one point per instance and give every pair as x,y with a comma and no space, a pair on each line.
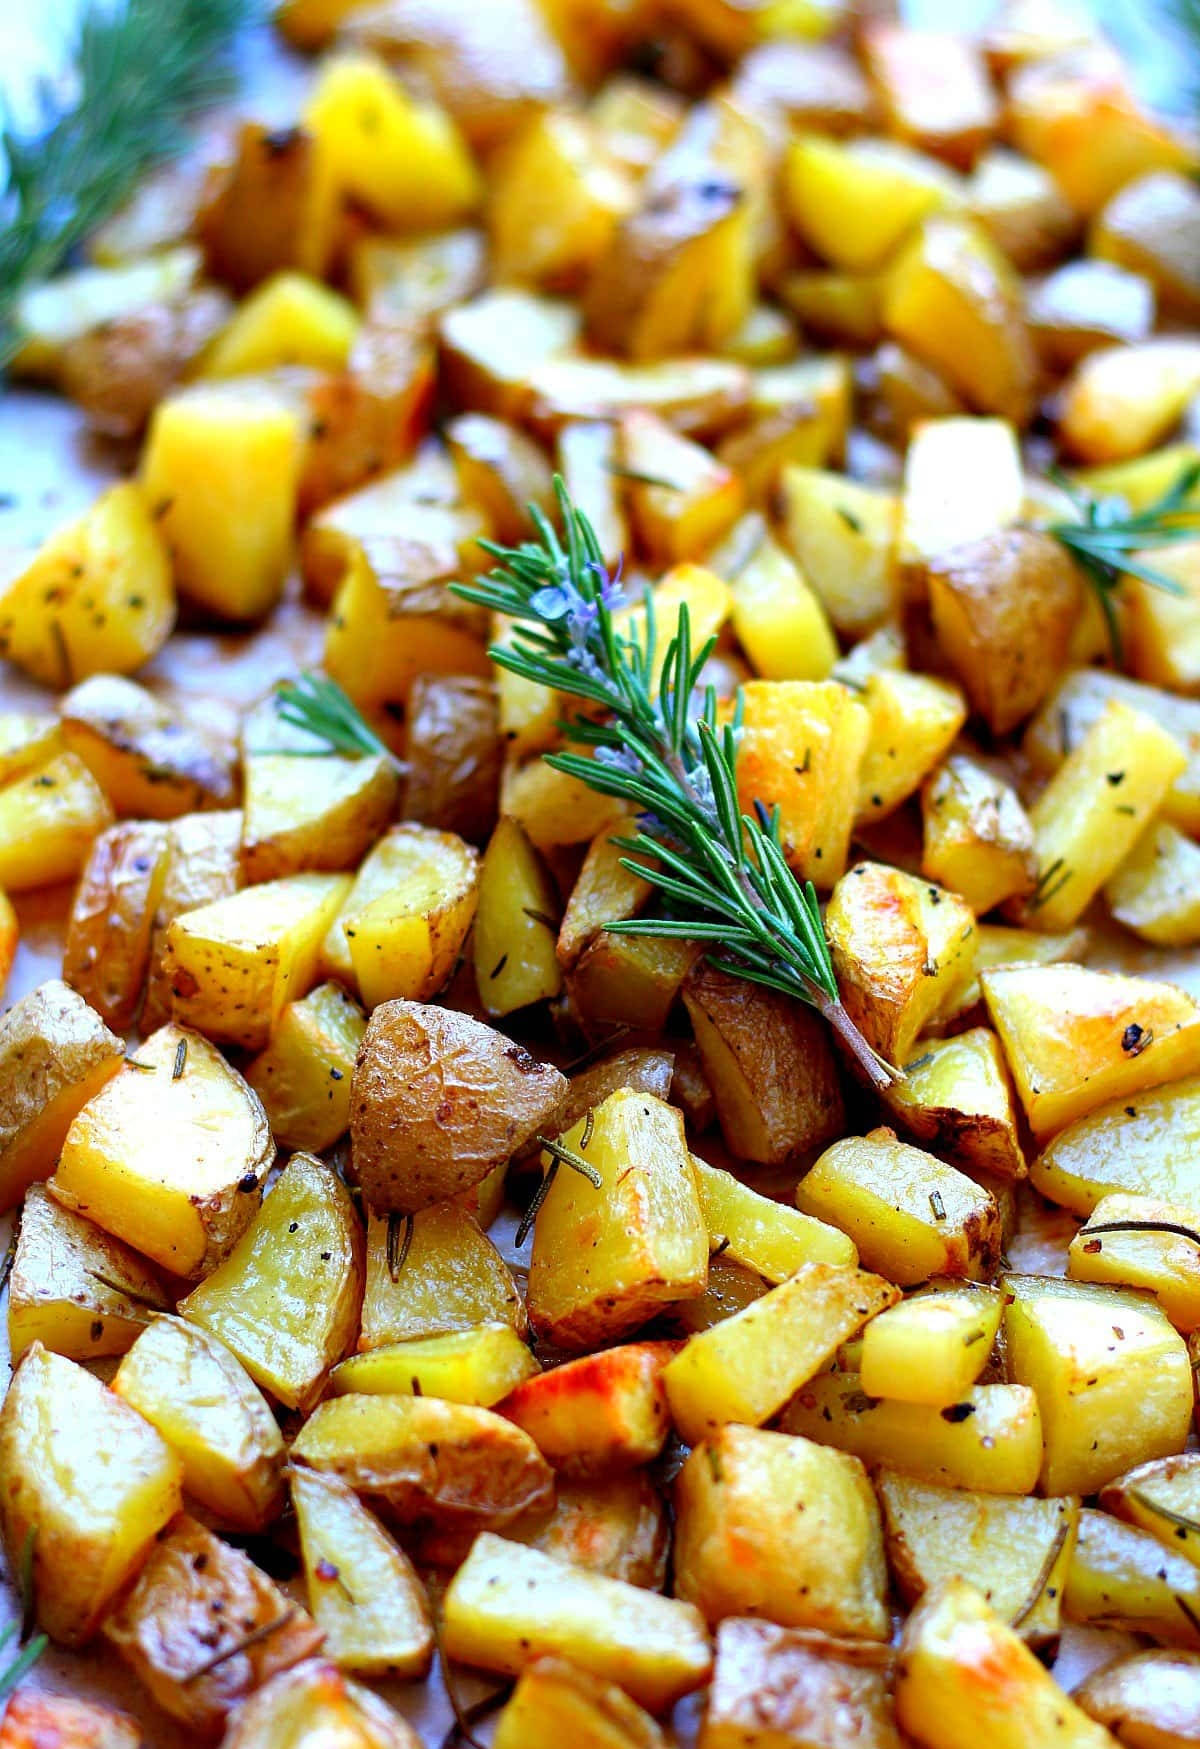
147,760
196,1597
1003,611
775,1685
783,1063
649,1071
368,418
438,1100
454,755
120,371
107,951
254,224
55,1721
1151,1699
203,863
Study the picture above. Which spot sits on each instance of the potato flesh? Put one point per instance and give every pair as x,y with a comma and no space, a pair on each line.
930,1348
957,1098
777,617
48,819
978,838
765,1236
207,1408
289,1321
745,1368
73,1288
1124,1578
643,1227
849,565
202,865
106,955
314,1699
1161,1497
553,1701
516,922
1112,1378
768,1524
170,1156
1154,891
97,1501
604,1412
362,1590
1158,1259
1151,1697
993,1448
452,1278
303,1076
508,1605
477,1366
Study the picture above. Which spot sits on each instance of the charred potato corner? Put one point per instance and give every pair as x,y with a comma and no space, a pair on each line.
600,893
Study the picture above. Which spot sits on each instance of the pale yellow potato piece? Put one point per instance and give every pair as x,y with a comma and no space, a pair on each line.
777,617
48,819
1146,1145
1145,1243
432,1273
930,1348
303,1076
978,838
478,1366
286,1299
962,480
171,1155
516,921
508,1605
771,1524
842,534
745,1368
820,1688
1163,1498
554,1702
201,1399
957,1097
1150,1697
91,1505
362,1590
765,1236
1112,1378
1156,890
1122,1577
314,1701
991,1441
914,720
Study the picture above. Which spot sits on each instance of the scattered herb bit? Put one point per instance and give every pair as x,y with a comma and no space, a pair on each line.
464,1716
540,917
398,1248
126,1293
568,1157
499,966
318,705
262,1632
24,1661
535,1205
958,1412
589,1125
853,523
137,1063
1136,1039
720,1248
1188,1526
937,1205
181,1050
1043,1579
1050,882
1172,1227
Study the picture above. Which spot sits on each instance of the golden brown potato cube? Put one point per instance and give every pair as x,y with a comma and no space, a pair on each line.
1139,1147
170,1155
438,1101
681,499
801,750
88,1507
1150,1697
745,1368
362,1590
1075,1038
650,1071
275,208
306,810
1123,400
407,941
978,840
956,1096
55,1721
286,1299
762,1235
646,1240
96,597
934,89
479,1366
629,982
452,752
817,1690
778,619
314,1700
990,1442
72,1287
902,951
555,195
1162,623
963,482
55,1054
554,1701
149,762
290,319
603,1412
198,1600
1003,610
236,963
492,345
768,1524
698,395
202,864
842,534
1085,306
769,1064
1112,1378
931,1347
1161,1497
106,954
303,1076
516,924
855,203
508,1605
1142,1242
48,820
1122,1577
963,1671
428,1459
907,393
914,721
207,1408
367,418
501,472
432,1272
1152,226
1022,209
1016,1552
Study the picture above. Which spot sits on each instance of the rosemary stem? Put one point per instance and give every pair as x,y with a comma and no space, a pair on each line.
878,1070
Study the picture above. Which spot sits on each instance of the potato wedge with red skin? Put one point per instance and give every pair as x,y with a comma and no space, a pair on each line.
439,1100
605,1411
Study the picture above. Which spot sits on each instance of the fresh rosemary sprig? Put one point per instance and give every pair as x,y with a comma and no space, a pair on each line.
141,69
24,1660
318,705
1108,534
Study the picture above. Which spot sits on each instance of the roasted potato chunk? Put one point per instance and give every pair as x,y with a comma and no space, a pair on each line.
978,838
1141,1146
648,1244
448,1463
931,1347
170,1155
55,1054
453,755
275,208
303,1076
313,1700
604,1412
89,1508
414,1058
362,1590
768,1524
48,819
72,1287
431,1273
479,1366
106,955
762,1235
956,1097
815,1689
963,482
1122,1577
287,1330
553,1699
405,943
149,761
192,1586
1142,1242
508,1605
515,925
745,1368
1160,1497
1149,1697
